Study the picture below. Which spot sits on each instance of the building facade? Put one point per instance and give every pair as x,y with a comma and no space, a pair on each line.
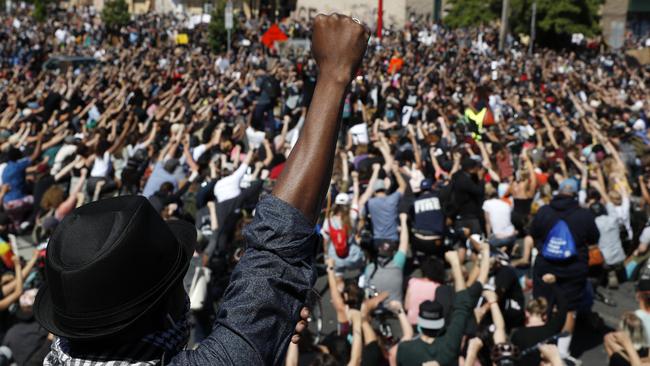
395,12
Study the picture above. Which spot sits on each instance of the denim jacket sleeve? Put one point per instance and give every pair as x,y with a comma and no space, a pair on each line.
267,290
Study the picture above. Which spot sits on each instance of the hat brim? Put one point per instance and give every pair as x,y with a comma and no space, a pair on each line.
185,234
433,324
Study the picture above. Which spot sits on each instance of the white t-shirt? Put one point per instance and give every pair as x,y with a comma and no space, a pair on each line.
499,212
255,137
198,151
609,242
229,187
622,214
101,166
359,134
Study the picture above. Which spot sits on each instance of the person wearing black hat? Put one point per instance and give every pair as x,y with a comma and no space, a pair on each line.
114,269
440,340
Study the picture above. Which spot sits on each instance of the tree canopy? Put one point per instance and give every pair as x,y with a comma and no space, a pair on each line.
116,14
217,33
555,18
466,13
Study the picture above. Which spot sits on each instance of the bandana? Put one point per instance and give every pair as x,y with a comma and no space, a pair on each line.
153,349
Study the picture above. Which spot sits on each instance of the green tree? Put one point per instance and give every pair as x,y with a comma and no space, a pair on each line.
115,14
217,33
466,13
40,10
557,17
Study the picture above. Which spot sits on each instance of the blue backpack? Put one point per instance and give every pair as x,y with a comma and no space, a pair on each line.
559,244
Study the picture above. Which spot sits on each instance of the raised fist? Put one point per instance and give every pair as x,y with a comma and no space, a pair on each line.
338,46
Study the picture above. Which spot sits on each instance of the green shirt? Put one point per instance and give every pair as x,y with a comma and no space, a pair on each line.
446,348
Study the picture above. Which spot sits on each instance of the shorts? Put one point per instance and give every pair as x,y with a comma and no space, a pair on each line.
19,203
474,226
435,247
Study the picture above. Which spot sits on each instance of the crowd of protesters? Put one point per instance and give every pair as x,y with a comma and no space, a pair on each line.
480,202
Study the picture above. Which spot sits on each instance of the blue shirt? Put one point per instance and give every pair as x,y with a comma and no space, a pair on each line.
384,216
158,176
14,176
267,290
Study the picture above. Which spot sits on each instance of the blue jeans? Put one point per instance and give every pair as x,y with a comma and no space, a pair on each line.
502,242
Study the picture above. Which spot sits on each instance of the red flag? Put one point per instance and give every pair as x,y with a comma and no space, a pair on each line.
274,34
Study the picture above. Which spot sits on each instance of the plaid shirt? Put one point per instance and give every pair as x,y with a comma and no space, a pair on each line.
59,356
153,349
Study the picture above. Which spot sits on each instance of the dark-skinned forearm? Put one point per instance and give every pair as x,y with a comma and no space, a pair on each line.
308,170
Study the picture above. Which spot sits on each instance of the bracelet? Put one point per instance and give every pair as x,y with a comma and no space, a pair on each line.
330,268
400,311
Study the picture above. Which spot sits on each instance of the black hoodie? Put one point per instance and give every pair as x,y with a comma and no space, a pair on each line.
581,222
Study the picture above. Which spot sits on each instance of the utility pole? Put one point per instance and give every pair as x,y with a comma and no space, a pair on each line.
504,24
380,16
228,21
437,10
533,31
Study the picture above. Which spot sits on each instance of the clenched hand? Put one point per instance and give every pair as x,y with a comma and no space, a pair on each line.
338,46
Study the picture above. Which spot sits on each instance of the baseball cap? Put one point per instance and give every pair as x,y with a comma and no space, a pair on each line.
426,184
379,185
568,186
342,199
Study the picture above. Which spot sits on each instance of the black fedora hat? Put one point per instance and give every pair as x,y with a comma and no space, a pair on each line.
107,264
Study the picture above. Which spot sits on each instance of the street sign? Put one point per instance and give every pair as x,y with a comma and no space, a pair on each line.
229,15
